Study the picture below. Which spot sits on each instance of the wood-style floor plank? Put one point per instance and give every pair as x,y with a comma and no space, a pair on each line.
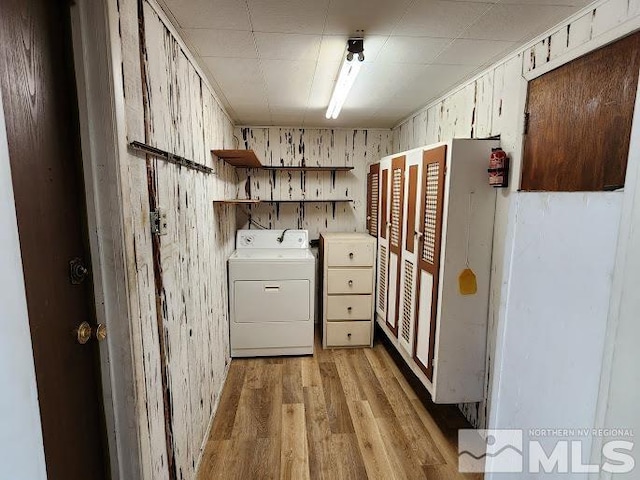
347,459
228,407
294,451
340,414
318,434
335,399
376,460
292,380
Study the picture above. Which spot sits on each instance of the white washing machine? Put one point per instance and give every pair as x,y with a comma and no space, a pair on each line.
271,293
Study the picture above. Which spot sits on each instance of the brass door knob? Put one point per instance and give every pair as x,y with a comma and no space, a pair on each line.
101,332
83,333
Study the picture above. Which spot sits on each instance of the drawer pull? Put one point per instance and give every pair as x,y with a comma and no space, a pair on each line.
350,254
349,309
349,336
350,283
271,288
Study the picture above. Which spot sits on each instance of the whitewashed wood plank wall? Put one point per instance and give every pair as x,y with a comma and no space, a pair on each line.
180,324
310,147
493,104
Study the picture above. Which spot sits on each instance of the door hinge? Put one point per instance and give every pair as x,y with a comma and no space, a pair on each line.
158,219
526,123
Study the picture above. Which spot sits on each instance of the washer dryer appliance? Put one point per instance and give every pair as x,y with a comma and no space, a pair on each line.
271,293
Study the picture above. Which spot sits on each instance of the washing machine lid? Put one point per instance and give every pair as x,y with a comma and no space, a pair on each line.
272,239
272,254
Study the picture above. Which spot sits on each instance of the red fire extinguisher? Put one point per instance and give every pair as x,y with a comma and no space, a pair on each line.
498,168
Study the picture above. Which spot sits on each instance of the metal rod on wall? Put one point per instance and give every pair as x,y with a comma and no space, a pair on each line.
170,157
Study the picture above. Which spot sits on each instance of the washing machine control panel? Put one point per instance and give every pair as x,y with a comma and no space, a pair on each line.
272,239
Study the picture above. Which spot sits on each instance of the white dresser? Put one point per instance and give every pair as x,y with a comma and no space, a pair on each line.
348,276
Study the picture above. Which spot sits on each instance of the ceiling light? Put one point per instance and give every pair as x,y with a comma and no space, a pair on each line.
348,73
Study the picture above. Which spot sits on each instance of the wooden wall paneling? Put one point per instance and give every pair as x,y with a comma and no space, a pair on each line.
184,117
320,147
481,116
580,121
145,341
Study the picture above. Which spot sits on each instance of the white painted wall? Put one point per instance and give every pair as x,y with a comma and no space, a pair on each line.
21,446
560,276
620,379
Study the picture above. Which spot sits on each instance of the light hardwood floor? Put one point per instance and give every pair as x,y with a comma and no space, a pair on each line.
341,414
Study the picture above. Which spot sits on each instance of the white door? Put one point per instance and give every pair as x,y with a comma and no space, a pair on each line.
396,196
409,268
430,233
382,277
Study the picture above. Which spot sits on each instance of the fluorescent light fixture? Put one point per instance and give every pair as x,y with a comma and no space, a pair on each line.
348,73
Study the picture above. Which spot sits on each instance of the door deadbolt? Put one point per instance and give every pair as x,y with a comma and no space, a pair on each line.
77,271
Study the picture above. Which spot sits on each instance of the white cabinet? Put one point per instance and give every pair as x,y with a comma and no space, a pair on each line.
347,289
444,225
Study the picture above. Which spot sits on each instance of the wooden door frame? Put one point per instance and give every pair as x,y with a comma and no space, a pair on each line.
97,59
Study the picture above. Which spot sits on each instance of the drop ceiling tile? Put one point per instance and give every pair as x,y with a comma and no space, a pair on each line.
421,50
239,78
428,84
473,52
287,115
566,3
322,87
333,47
375,17
288,46
440,18
517,22
222,43
218,14
288,16
288,82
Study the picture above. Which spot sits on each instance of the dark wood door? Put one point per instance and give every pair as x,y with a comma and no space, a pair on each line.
579,121
373,199
396,201
430,233
38,91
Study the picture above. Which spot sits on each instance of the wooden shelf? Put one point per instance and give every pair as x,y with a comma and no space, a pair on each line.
239,158
309,169
243,201
255,201
248,159
310,200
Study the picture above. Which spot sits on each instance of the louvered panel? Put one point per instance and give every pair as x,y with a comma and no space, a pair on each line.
373,222
382,287
430,213
407,301
396,206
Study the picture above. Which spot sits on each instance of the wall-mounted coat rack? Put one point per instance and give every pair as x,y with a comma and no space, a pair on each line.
170,157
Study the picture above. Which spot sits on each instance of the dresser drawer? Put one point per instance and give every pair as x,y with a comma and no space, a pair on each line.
350,280
342,334
350,254
348,307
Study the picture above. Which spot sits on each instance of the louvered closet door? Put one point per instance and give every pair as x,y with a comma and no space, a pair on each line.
430,225
409,273
382,280
396,202
373,198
